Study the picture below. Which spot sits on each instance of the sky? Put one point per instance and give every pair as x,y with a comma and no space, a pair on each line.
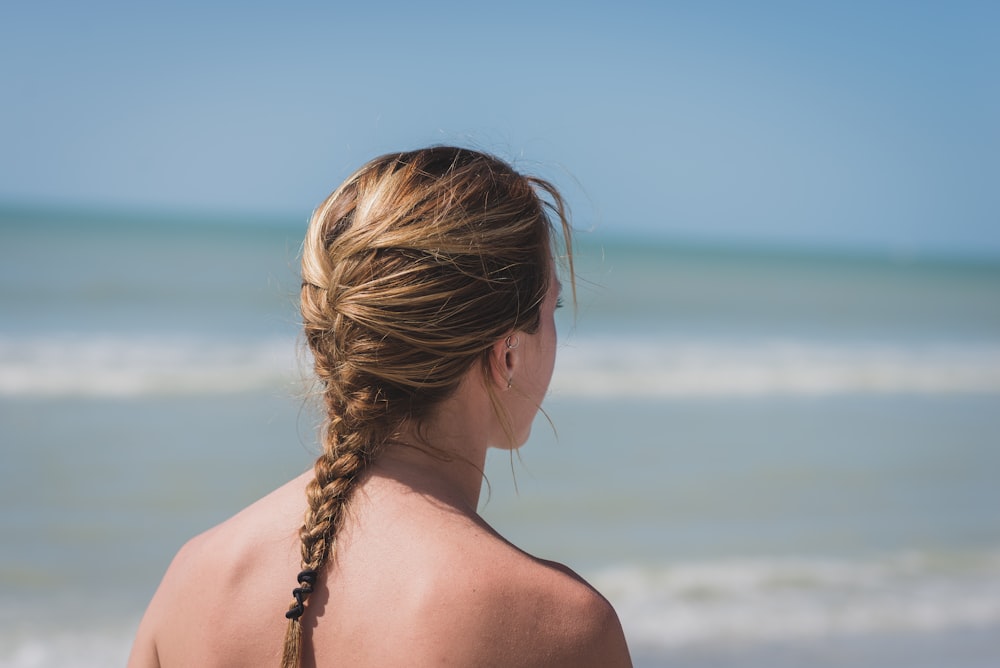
872,125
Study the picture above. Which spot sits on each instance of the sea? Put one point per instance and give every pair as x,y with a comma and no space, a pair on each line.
762,456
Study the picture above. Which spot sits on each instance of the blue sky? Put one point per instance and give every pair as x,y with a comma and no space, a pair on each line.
855,124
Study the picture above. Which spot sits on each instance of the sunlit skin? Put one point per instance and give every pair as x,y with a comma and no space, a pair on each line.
418,578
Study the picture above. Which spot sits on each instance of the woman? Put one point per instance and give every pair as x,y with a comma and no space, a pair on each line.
428,293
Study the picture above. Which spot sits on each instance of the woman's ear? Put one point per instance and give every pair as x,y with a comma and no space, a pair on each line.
504,360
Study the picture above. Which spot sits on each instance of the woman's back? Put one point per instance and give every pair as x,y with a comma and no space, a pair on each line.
415,582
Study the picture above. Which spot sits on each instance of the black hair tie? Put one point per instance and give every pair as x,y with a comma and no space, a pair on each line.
307,579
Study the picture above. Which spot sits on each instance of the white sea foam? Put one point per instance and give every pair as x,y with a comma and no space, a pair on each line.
110,366
645,368
68,649
106,366
761,601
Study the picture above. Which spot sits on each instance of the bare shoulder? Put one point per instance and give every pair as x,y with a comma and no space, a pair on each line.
582,628
524,611
227,553
227,575
172,602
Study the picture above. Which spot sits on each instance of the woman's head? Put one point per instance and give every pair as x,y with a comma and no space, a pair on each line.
413,269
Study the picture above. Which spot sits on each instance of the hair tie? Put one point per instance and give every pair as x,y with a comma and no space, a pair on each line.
307,579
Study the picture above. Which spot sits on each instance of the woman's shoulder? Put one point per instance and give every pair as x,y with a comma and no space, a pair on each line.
252,540
227,574
257,540
514,609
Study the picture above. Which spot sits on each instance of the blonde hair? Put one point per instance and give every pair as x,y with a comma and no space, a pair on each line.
411,270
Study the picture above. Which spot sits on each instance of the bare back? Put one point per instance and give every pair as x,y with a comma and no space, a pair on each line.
414,582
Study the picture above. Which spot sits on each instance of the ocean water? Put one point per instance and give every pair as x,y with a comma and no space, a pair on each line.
762,458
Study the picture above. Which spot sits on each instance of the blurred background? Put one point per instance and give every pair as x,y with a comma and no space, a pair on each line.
776,410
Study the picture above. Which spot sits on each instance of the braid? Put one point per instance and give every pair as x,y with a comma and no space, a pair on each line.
327,494
354,436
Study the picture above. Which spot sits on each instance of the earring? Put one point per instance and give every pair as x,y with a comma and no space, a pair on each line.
512,342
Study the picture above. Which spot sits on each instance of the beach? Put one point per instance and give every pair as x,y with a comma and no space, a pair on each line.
761,456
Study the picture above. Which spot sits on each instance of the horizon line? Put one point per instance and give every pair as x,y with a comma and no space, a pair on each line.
62,213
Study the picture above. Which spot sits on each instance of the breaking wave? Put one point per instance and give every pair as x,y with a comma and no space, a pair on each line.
109,366
754,601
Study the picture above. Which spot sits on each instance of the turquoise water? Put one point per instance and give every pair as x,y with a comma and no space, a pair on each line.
764,458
